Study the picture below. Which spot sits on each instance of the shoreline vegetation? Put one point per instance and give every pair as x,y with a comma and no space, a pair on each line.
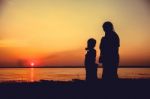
77,89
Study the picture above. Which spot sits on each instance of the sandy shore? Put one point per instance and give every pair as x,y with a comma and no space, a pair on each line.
77,89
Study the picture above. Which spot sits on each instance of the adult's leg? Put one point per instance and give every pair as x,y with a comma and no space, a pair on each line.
106,71
95,74
87,74
109,71
116,71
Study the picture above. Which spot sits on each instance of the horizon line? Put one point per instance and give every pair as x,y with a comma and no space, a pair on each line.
71,67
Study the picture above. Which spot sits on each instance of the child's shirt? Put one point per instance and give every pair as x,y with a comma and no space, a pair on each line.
90,57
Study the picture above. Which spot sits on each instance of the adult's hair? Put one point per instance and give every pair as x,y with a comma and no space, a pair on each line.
108,26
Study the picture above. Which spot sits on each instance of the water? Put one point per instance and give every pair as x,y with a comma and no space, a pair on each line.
63,74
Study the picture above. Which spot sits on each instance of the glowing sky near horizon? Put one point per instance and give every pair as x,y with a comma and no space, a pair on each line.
55,32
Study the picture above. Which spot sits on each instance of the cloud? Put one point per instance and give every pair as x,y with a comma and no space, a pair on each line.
65,58
148,3
1,3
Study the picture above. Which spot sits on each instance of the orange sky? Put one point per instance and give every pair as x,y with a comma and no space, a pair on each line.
55,32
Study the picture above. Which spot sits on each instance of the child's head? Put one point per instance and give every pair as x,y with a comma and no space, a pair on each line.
91,43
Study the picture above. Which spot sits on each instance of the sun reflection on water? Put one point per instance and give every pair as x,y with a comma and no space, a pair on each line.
32,74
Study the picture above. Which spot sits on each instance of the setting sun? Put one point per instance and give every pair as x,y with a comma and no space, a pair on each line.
32,64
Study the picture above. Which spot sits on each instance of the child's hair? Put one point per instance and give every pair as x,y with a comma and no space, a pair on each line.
90,44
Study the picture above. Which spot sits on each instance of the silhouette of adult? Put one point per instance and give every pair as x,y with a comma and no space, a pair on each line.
109,52
90,58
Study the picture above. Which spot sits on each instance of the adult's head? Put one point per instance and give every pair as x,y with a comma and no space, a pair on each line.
108,27
91,43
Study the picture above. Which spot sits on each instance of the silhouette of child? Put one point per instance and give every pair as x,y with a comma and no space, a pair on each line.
90,58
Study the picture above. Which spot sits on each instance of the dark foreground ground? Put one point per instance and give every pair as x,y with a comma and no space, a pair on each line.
117,89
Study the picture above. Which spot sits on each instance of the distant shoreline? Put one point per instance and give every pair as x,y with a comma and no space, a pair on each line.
78,67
